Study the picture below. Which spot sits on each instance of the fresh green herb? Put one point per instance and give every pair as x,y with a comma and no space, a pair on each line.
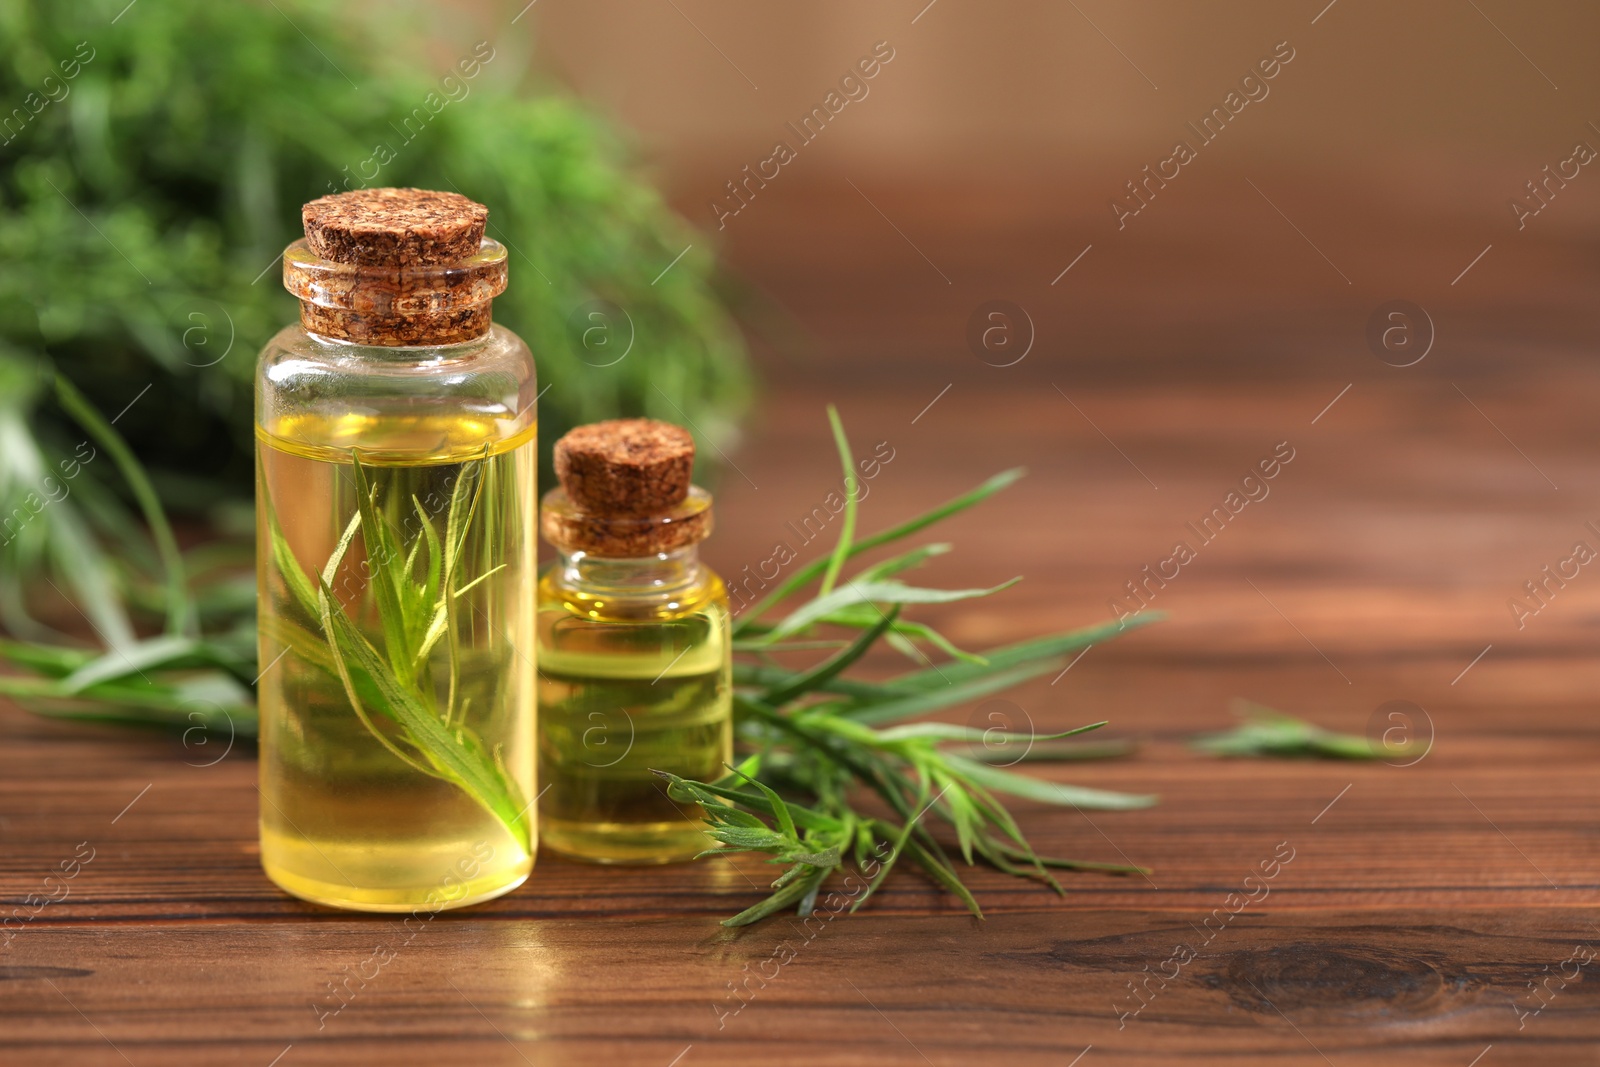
145,206
1267,732
180,613
823,738
199,684
1040,751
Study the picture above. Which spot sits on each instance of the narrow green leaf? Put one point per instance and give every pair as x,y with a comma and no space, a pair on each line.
779,809
327,604
847,528
988,848
878,879
435,553
457,528
159,706
989,681
944,874
53,660
463,508
943,731
749,838
164,651
1021,785
874,592
792,646
287,566
1044,752
775,903
1039,648
803,816
813,884
906,647
180,612
938,640
809,572
88,571
865,616
830,668
798,870
331,568
457,756
766,677
1266,732
904,562
382,550
960,811
490,573
749,766
715,809
828,857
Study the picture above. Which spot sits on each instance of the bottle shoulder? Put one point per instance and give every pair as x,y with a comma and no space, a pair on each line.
294,351
704,595
312,387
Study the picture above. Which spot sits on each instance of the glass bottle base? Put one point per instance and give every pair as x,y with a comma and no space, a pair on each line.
365,882
637,844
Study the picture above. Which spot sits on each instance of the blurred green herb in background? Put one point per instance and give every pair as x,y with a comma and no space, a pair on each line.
148,198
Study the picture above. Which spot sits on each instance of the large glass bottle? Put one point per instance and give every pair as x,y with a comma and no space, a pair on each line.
634,647
396,485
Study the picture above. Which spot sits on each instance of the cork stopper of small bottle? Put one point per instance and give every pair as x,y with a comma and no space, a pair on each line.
625,491
394,227
395,267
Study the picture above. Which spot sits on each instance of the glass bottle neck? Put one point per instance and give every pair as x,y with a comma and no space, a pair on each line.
664,574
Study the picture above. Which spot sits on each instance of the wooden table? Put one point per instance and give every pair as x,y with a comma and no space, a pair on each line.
1422,904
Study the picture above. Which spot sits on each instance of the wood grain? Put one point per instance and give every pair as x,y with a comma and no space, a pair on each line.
1420,903
869,988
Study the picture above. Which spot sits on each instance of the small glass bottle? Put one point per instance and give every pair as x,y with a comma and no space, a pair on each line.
396,480
635,671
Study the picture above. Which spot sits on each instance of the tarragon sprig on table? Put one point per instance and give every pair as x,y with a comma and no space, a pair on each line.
821,738
1266,731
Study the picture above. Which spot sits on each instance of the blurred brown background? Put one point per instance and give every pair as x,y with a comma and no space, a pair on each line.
996,138
1379,166
1007,86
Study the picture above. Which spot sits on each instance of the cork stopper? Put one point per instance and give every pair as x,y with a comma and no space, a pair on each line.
394,227
625,490
395,267
626,466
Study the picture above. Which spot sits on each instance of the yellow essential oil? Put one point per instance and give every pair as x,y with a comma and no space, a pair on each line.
352,813
396,486
634,666
627,687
